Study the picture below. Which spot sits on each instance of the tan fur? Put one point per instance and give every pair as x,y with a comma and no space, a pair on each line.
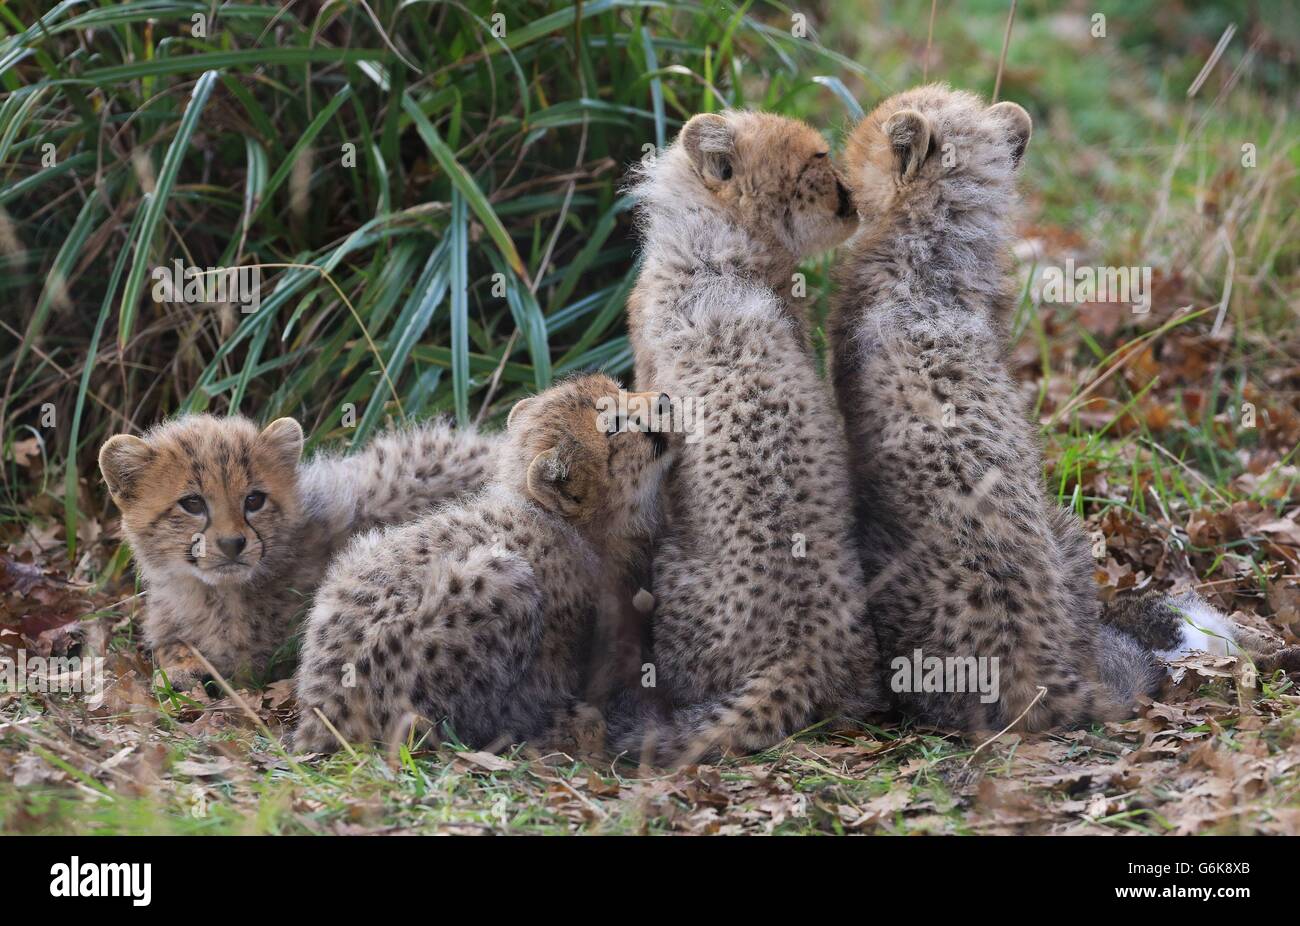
783,202
233,577
483,615
759,626
965,554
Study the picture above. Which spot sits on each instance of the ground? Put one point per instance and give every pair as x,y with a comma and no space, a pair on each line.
1172,432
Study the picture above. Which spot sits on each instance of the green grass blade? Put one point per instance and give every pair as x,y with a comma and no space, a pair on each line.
229,60
70,493
459,233
55,288
465,185
155,203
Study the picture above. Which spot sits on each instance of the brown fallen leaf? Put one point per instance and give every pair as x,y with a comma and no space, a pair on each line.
200,769
487,761
877,808
599,787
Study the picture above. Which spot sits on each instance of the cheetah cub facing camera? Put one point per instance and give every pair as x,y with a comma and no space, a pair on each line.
231,532
968,562
483,614
759,627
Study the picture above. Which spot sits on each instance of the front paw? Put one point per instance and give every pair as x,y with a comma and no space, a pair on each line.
583,729
183,670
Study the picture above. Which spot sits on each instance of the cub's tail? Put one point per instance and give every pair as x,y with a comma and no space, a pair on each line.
743,723
774,703
1172,626
1128,669
1140,633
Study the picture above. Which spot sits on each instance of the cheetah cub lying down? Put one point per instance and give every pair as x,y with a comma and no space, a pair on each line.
966,557
760,625
483,614
231,532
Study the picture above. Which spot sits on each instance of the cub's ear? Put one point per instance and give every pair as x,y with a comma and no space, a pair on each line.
1019,127
711,146
283,439
908,133
559,484
122,459
518,407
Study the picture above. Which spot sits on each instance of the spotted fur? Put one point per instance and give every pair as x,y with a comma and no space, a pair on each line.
758,629
964,552
231,533
483,616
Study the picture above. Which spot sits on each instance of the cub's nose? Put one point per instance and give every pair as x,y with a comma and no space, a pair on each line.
845,201
232,546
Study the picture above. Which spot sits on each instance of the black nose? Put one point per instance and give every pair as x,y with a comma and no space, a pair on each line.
846,201
664,411
232,546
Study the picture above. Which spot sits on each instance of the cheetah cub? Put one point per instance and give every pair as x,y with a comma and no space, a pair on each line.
969,564
759,627
231,532
483,615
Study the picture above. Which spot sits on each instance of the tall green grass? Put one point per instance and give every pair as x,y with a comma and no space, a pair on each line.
432,191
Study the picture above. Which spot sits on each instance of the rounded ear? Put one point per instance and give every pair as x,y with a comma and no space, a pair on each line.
121,460
558,486
710,144
1019,127
908,133
283,437
518,407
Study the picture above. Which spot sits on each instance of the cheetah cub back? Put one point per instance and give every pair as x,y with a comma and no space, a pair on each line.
231,531
759,627
981,588
483,615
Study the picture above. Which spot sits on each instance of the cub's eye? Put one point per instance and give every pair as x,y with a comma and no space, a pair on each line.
820,154
724,171
620,425
254,501
193,504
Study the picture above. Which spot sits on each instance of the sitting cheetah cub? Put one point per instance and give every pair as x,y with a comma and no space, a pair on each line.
968,562
483,614
231,532
759,627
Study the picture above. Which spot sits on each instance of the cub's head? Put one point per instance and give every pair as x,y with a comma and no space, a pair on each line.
933,144
772,176
206,496
592,453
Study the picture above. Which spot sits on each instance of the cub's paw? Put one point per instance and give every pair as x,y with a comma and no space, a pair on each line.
587,728
183,669
578,727
311,735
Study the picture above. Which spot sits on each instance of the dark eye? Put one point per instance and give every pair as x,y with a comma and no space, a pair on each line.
820,154
254,501
724,171
193,504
